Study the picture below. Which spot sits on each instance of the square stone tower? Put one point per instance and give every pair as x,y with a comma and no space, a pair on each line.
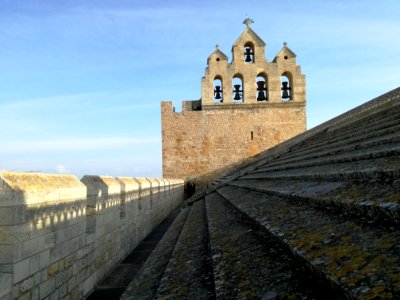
246,106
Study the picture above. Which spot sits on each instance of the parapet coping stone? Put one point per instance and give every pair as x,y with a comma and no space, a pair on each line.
19,188
128,184
144,183
162,183
154,182
95,184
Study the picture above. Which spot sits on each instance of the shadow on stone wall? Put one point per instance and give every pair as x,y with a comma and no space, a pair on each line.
60,236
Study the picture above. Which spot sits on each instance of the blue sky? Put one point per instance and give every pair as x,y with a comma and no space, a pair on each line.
81,81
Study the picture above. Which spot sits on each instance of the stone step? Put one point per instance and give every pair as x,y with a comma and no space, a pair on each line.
359,257
189,271
363,200
379,151
378,148
352,134
313,144
385,118
355,136
382,106
360,142
373,112
334,131
376,169
147,279
250,264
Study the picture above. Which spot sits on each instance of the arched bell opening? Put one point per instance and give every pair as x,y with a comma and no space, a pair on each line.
218,91
286,86
249,53
262,87
237,86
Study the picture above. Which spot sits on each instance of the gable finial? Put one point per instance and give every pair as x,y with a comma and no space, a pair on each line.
248,21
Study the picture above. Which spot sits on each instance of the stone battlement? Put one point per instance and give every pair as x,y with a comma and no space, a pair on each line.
59,236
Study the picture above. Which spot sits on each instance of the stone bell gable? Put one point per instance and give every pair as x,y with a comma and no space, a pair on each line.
247,105
248,39
279,80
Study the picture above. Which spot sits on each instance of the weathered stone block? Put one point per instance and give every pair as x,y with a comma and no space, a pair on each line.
39,244
54,295
13,215
26,296
26,285
10,253
34,264
5,284
63,290
47,287
21,270
35,294
52,269
88,285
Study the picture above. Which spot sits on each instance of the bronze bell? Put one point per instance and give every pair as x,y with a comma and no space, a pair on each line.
237,92
248,54
285,90
261,88
217,92
261,96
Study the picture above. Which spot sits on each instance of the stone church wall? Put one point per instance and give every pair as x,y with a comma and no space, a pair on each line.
197,142
59,236
247,105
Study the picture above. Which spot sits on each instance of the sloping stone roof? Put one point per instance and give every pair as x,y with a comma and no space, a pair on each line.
249,33
285,51
218,53
316,217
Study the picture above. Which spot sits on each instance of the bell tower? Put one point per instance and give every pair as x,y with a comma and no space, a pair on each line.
250,78
247,105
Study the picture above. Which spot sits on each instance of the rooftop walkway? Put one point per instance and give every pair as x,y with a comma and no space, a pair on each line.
117,281
314,218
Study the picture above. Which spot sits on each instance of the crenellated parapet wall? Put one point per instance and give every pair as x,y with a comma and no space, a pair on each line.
59,236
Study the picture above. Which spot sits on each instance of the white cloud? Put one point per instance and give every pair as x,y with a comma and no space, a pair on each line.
46,102
71,101
61,169
73,144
